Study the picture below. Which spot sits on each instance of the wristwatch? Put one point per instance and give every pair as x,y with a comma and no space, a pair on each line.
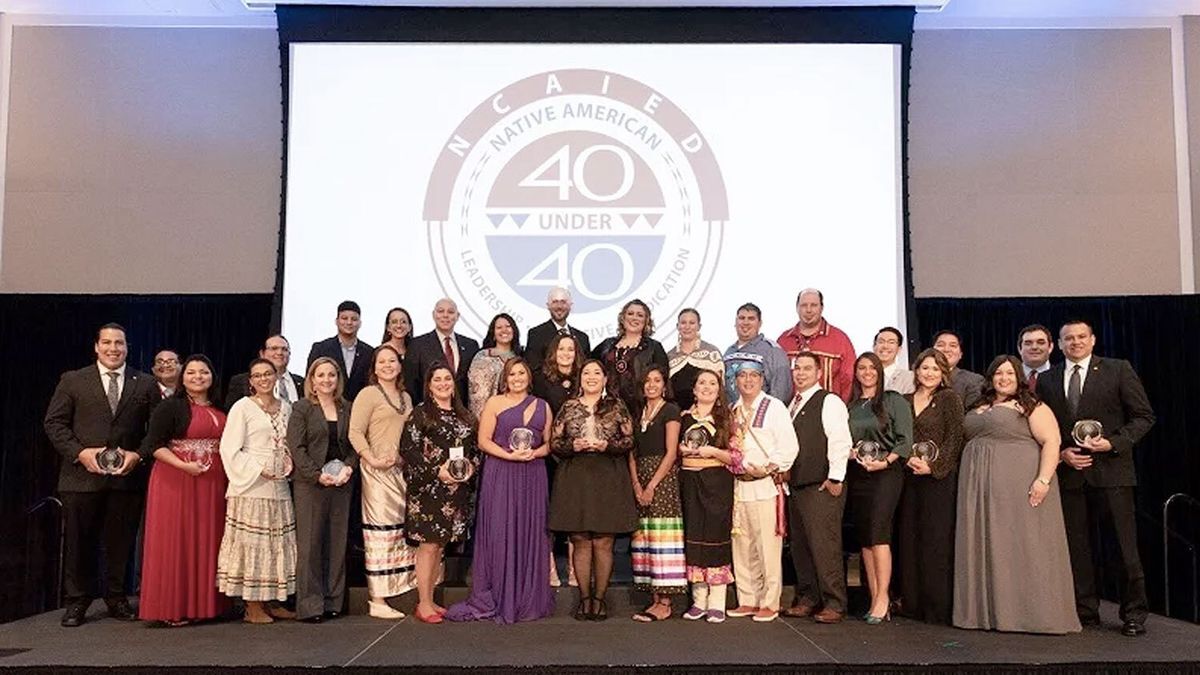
1043,481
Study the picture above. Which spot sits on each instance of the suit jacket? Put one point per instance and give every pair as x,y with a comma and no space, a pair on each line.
239,387
308,438
79,417
539,339
356,379
426,349
968,385
1113,396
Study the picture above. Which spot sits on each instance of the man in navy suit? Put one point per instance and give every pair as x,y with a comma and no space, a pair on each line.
104,406
1098,474
441,344
559,302
352,355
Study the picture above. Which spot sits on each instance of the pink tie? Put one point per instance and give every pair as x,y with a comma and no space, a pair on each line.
449,353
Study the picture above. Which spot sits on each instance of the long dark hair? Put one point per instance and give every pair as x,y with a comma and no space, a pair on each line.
372,378
514,362
939,359
722,418
877,400
214,391
489,340
639,394
550,364
430,407
1025,397
387,334
647,330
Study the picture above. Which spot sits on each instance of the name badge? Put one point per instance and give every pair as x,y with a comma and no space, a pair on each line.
456,452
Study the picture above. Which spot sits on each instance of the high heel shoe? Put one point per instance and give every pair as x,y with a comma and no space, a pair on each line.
583,610
434,618
873,620
599,610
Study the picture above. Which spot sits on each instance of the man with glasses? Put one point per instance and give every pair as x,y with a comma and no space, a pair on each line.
166,371
289,387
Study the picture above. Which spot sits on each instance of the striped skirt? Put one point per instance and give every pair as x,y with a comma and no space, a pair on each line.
257,560
390,561
657,545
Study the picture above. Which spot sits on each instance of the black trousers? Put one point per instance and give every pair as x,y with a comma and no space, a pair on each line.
1087,513
109,518
924,570
815,529
322,521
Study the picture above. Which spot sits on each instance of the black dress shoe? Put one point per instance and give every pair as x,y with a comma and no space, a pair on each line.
1089,621
121,610
312,619
331,615
75,615
1133,629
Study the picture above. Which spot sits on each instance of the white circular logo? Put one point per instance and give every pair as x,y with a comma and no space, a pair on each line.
579,178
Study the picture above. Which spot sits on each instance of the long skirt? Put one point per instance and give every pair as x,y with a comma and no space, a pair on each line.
185,520
657,544
391,562
257,561
707,499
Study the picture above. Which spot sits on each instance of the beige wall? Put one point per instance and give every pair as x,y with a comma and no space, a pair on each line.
1025,144
152,151
133,144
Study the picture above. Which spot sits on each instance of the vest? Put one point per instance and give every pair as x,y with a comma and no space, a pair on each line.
812,464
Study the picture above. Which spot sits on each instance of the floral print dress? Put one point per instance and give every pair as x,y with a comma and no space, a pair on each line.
438,512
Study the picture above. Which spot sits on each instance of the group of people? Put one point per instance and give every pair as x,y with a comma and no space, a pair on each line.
972,498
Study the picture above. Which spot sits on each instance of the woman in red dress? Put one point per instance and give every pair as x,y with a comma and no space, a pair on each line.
185,503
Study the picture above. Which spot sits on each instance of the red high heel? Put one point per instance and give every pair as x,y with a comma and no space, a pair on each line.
434,618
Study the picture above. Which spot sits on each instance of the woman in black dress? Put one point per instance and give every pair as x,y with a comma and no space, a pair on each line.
925,524
593,496
631,352
439,430
875,480
691,356
555,382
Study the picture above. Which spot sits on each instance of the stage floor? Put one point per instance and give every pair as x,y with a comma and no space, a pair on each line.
357,640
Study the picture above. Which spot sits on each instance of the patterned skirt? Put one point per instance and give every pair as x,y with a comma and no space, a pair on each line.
657,544
390,560
257,560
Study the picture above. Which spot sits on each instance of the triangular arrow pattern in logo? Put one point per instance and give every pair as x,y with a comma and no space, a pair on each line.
497,218
630,219
653,218
519,218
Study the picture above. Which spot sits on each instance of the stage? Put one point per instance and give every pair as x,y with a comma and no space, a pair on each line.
562,644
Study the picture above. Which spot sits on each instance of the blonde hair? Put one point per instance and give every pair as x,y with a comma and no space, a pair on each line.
309,392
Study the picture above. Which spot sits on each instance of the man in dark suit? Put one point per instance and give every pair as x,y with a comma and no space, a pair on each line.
559,303
440,344
352,355
1098,474
166,371
105,405
289,387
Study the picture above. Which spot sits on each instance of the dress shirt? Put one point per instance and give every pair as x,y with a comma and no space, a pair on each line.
1083,373
285,383
1040,369
166,391
441,337
772,443
348,354
836,420
120,379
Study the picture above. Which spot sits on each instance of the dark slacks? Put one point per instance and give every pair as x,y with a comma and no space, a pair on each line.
924,571
1089,511
322,522
109,518
815,529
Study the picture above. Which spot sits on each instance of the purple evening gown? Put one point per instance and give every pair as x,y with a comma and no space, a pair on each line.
511,574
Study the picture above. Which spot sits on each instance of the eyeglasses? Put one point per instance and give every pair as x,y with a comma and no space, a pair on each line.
163,362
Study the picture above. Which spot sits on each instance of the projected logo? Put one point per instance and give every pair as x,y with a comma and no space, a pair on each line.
579,178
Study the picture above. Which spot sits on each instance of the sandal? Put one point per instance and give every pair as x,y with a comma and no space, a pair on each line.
599,610
647,616
582,610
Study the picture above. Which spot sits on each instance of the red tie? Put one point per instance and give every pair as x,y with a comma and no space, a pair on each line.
1033,380
449,354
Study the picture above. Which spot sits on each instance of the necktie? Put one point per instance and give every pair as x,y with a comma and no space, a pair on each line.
114,392
1033,380
283,392
1074,390
449,354
564,331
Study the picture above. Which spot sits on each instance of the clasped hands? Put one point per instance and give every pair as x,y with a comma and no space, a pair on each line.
87,457
1080,461
338,480
589,445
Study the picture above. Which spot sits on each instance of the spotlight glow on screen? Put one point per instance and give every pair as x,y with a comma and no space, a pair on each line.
698,176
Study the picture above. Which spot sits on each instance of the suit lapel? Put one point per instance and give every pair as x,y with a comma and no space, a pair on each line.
98,390
1093,385
131,380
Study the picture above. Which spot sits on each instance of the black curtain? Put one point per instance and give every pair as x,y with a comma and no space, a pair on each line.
42,336
1152,332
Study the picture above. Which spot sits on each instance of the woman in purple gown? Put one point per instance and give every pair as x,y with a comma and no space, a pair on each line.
510,580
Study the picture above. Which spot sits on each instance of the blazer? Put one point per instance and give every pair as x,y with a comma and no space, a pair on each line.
424,351
239,387
356,379
308,438
539,339
1113,396
968,385
79,417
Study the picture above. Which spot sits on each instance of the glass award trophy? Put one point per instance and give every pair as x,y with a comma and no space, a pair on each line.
869,450
1085,430
333,468
926,450
520,440
458,467
110,460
